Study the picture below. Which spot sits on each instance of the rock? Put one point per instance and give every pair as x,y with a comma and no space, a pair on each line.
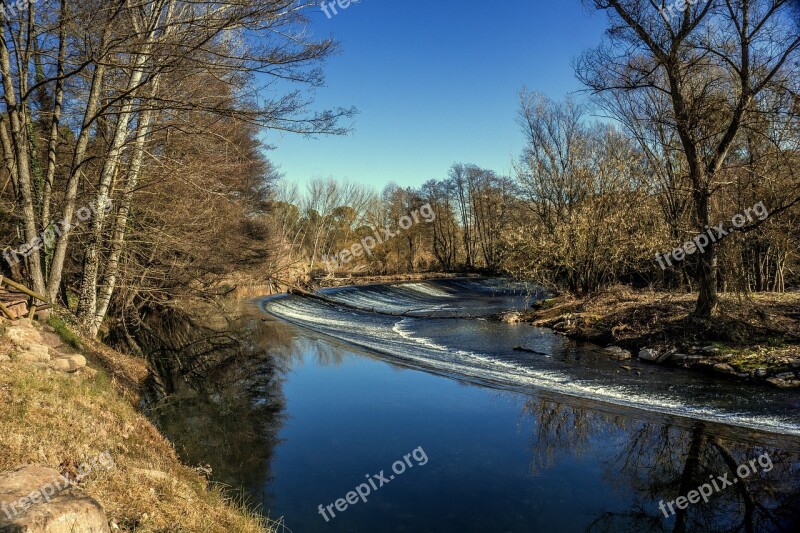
783,384
4,358
648,355
527,350
44,314
785,375
618,354
795,363
77,360
62,364
760,373
48,328
51,339
710,350
36,499
34,353
512,317
724,368
23,336
626,367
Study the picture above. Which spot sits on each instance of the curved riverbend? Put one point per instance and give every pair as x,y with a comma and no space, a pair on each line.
441,327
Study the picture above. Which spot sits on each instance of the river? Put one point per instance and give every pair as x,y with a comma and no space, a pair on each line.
412,391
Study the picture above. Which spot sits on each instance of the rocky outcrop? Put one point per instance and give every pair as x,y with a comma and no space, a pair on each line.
39,345
36,499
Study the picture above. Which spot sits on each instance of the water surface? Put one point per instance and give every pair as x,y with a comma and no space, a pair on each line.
563,440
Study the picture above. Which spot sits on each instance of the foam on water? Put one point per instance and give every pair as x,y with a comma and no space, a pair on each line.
398,338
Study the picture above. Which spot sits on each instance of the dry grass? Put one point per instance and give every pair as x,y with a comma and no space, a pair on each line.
52,419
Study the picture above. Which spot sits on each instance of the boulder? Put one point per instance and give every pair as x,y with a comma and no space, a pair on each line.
647,354
35,499
618,354
62,364
77,360
512,317
44,314
34,353
783,383
785,375
724,368
760,373
710,350
23,336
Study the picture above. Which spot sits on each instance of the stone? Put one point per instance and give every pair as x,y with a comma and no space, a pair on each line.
512,317
35,353
760,373
51,339
51,505
4,358
785,375
618,354
648,355
23,337
44,314
62,364
710,349
795,363
783,384
77,360
724,368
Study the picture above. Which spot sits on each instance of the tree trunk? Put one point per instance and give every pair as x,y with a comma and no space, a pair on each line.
707,298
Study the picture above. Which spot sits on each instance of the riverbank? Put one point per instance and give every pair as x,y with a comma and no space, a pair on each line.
68,399
753,339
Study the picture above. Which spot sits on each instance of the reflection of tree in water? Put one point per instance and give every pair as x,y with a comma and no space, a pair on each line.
218,391
661,461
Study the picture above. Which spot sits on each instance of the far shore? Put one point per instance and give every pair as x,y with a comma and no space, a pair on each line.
754,338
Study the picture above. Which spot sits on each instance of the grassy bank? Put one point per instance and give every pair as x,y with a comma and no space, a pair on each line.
753,338
59,420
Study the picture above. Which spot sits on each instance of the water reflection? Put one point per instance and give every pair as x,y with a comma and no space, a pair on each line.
218,393
660,461
276,413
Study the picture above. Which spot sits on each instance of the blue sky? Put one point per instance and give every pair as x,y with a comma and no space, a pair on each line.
436,82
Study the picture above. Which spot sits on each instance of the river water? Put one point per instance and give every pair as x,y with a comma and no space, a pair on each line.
412,393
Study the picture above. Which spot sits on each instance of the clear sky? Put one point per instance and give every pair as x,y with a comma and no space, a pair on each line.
436,82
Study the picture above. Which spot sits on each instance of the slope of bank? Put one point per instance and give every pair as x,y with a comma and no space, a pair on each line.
752,339
58,413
